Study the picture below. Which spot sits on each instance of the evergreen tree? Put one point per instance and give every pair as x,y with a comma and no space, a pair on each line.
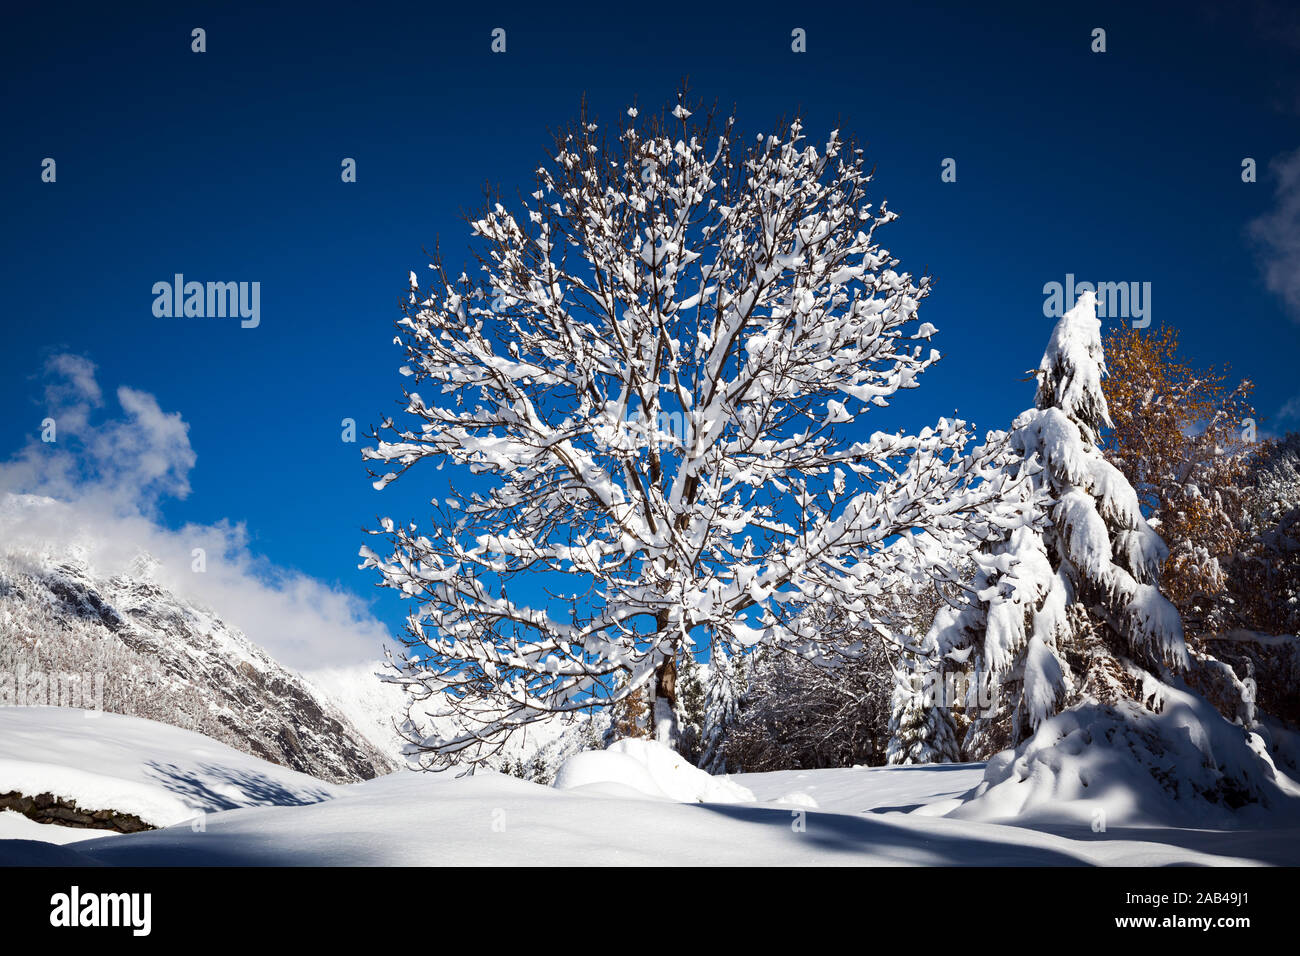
921,729
691,706
721,709
1067,596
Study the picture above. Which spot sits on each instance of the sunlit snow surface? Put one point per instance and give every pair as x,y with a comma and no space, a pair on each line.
840,817
162,774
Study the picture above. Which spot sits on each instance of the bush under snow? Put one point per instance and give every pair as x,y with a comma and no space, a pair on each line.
1121,764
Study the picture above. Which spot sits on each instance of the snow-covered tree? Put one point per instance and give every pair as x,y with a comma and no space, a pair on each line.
721,709
1060,603
653,392
800,713
921,728
691,696
1266,581
1177,437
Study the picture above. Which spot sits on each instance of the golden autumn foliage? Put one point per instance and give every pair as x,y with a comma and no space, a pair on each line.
632,715
1178,437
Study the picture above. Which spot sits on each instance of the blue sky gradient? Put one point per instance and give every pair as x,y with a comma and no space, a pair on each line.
225,166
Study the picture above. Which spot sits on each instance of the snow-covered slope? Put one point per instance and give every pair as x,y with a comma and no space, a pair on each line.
819,817
161,774
375,707
168,659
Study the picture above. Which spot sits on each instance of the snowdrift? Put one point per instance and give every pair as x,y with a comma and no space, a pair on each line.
636,767
1120,764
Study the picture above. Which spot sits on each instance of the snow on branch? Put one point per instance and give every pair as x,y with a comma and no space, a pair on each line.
654,382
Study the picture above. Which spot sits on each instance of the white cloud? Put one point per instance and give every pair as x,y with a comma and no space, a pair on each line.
70,384
1278,233
97,490
126,464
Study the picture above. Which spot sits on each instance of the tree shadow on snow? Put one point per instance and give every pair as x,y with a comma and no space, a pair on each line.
855,835
210,788
1271,846
928,767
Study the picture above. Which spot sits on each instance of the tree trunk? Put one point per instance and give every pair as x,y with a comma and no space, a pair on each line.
664,708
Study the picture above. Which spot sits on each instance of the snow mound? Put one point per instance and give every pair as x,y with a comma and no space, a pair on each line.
798,799
636,767
159,773
1123,765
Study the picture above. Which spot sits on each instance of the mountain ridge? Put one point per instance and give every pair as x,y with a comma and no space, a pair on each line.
170,659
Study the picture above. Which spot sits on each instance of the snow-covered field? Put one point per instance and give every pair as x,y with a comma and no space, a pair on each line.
633,805
159,773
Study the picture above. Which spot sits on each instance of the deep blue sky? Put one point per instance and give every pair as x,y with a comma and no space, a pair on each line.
225,166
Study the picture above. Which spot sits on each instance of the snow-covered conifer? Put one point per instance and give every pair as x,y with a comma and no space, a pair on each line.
691,700
721,710
921,728
1059,603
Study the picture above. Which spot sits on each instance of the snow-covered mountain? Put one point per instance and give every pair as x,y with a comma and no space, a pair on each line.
63,626
376,708
66,626
373,706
